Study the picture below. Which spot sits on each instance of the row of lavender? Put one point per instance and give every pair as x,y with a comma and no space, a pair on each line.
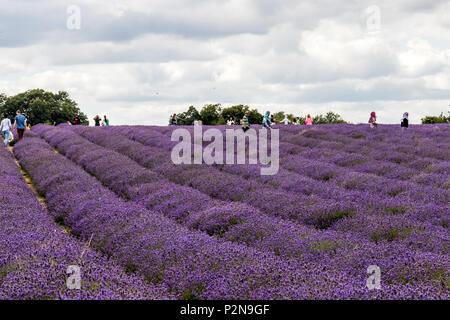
191,264
325,163
35,253
108,164
421,159
237,222
403,211
400,158
311,210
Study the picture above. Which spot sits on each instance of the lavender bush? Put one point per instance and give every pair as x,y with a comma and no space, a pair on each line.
35,252
342,224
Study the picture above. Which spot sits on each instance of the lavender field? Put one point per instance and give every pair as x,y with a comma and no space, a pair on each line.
345,197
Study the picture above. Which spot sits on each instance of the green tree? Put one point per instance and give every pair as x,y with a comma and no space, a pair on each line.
439,119
329,118
3,99
279,116
237,112
210,114
187,118
254,117
332,117
291,117
41,106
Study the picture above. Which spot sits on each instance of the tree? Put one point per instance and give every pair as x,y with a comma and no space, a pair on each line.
332,117
237,112
291,117
254,117
187,118
210,114
3,99
41,106
439,119
329,118
279,116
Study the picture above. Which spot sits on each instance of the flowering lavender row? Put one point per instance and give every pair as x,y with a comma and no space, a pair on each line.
431,238
429,232
375,160
330,245
217,220
321,171
415,142
290,206
191,264
230,221
410,149
341,163
357,146
35,253
395,270
398,252
364,200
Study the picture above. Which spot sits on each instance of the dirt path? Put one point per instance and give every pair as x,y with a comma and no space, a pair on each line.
30,184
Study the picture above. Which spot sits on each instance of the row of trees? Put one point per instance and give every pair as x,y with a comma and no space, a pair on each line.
439,119
40,106
214,114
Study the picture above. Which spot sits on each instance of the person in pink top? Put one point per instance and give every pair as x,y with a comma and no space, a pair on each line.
373,120
309,120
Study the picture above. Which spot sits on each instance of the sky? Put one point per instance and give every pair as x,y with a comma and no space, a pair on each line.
140,61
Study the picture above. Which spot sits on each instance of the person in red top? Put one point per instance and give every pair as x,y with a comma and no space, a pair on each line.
373,120
76,120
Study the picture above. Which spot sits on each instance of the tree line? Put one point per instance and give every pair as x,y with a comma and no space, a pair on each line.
214,114
436,119
40,106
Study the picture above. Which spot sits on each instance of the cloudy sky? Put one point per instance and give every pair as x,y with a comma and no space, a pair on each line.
139,61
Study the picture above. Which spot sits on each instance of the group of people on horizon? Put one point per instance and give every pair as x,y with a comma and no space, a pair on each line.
268,121
404,124
99,122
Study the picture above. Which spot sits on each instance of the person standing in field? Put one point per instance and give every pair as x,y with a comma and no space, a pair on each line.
297,121
76,121
106,120
244,122
20,122
267,120
5,129
97,121
285,120
309,120
174,120
405,122
373,120
230,121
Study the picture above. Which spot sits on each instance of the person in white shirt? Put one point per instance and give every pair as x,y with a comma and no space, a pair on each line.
230,121
286,120
5,129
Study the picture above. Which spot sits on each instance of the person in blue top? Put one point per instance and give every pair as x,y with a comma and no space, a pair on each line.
20,122
266,121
